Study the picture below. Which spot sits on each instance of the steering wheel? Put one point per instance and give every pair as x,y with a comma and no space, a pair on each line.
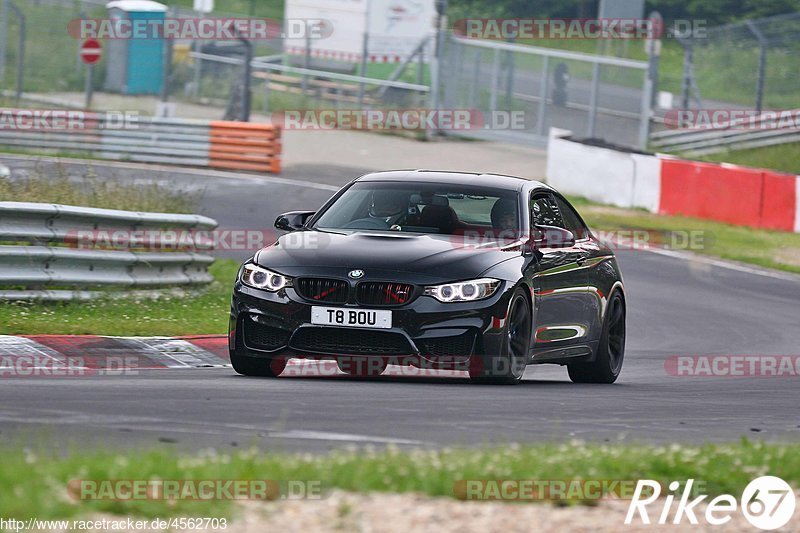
366,223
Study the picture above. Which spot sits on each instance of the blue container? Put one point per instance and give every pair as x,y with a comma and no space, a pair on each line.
135,66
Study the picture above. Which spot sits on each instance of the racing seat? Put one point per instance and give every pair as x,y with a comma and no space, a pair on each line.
439,216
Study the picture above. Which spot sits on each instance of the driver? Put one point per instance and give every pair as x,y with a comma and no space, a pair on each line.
389,206
504,215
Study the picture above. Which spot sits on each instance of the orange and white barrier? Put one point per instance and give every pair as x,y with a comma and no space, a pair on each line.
245,146
127,136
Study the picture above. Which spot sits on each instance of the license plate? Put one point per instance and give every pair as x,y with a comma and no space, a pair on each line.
357,318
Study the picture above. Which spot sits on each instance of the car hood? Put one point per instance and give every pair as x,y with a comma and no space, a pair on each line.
382,255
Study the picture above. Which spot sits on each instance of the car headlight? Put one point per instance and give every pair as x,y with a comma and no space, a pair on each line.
261,278
463,291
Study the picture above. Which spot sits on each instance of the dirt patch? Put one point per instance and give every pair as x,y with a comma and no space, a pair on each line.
390,513
789,256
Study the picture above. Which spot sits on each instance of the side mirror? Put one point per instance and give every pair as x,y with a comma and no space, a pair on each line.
293,220
552,237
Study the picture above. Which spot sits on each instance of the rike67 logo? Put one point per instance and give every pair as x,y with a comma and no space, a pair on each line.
767,502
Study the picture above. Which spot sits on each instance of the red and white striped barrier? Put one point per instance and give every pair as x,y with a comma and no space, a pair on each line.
32,356
664,184
349,57
76,355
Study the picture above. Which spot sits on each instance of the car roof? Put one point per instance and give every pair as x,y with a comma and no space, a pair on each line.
445,176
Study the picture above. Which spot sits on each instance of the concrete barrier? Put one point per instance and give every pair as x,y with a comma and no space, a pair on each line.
669,185
604,175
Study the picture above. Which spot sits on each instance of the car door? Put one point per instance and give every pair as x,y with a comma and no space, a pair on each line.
597,270
560,287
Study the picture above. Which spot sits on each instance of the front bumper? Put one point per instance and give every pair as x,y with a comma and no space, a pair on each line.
425,332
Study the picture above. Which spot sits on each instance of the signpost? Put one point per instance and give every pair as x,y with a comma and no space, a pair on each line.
91,52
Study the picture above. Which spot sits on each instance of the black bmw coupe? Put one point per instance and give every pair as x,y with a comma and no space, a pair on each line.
453,270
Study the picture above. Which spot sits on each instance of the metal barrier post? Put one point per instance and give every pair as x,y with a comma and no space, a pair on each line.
762,62
495,76
198,62
362,70
543,88
21,48
509,76
593,100
647,106
89,86
421,66
265,103
167,67
476,79
3,37
247,73
306,60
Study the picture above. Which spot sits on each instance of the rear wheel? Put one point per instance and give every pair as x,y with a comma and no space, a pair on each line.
362,367
611,352
508,367
257,367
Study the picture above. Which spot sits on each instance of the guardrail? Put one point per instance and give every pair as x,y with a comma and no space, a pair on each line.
762,130
41,254
213,144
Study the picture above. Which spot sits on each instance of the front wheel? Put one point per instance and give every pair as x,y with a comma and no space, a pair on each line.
257,367
608,363
508,367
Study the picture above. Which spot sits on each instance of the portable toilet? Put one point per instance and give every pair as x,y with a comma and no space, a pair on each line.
135,65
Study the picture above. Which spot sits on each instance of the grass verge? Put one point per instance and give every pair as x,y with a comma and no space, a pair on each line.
770,249
782,157
91,191
37,483
198,311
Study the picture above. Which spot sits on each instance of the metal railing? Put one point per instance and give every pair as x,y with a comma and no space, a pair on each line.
752,63
41,254
763,130
596,96
302,87
152,140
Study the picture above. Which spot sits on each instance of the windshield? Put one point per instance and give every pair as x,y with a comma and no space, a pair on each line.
431,208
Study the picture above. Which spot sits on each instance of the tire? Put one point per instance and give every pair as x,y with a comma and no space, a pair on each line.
258,367
507,367
611,351
361,367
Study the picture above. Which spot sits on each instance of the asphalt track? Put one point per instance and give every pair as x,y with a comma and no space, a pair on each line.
677,306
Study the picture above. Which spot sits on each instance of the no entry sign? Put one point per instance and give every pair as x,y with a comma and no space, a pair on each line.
91,51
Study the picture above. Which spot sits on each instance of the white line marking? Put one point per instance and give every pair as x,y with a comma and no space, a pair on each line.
70,418
348,437
697,258
725,264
